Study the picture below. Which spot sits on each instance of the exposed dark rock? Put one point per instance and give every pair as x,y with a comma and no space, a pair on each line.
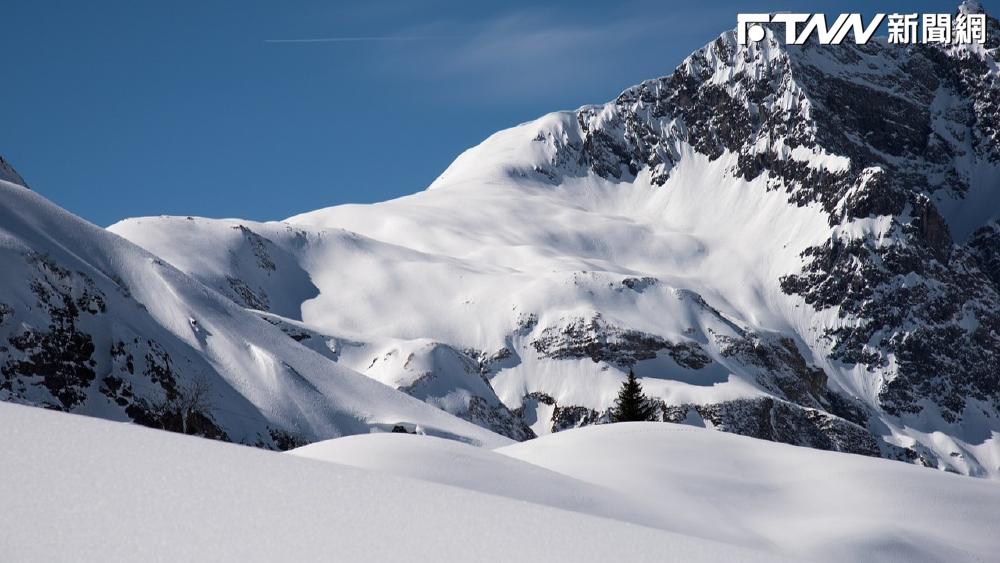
497,418
594,338
780,421
639,284
6,312
784,369
247,297
689,355
984,248
258,245
284,441
59,357
575,416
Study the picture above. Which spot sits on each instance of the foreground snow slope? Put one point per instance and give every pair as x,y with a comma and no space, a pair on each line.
82,489
91,323
479,469
796,502
811,504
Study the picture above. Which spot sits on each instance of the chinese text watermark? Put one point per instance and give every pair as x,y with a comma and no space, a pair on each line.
903,28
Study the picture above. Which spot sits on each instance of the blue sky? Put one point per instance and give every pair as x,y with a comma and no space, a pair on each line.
117,109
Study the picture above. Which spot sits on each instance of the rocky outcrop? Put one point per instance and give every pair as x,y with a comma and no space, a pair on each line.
600,341
60,366
58,357
780,421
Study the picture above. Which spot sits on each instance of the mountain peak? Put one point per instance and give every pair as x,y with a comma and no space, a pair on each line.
8,174
971,7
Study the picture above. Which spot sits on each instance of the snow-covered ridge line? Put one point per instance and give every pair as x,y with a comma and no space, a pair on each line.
92,323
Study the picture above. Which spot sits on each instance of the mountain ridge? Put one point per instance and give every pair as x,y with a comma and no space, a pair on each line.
94,324
806,205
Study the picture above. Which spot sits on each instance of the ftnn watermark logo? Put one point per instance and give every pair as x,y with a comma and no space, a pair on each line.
903,28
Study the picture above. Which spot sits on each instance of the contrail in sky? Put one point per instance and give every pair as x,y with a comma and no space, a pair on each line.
346,39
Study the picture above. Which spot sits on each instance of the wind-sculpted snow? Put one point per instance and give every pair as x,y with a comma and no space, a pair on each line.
793,502
789,242
80,489
805,504
640,492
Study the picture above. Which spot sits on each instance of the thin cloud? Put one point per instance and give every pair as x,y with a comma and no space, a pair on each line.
531,53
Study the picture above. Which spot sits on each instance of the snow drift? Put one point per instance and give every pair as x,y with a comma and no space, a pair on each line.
794,502
104,491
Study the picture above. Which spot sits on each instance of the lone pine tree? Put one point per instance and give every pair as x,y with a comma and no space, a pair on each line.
631,404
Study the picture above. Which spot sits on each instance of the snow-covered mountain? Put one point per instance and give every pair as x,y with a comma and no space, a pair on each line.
93,324
796,243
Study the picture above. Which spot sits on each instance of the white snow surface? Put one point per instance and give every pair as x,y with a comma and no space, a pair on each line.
466,265
259,377
81,489
789,501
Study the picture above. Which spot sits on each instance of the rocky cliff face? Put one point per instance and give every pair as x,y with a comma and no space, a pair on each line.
898,146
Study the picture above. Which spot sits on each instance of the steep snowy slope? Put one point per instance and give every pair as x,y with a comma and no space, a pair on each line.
800,503
79,489
257,265
796,243
91,323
